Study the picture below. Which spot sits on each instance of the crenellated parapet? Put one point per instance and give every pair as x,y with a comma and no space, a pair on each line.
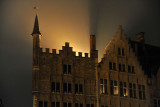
66,51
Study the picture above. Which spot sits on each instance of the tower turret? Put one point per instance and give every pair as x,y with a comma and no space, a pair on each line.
35,69
36,42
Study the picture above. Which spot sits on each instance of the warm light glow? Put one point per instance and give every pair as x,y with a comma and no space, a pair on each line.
65,25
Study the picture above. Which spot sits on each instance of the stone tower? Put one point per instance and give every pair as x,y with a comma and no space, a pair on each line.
35,69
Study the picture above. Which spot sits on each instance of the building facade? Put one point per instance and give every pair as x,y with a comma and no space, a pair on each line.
118,80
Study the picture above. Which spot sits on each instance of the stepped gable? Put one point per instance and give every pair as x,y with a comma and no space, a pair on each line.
66,51
148,55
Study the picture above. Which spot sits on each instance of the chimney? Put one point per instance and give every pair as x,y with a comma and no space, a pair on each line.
140,37
93,51
92,42
141,42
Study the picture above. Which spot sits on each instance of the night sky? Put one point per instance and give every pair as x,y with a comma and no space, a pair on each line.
64,21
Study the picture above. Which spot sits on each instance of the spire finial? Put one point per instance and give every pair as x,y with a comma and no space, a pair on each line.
35,9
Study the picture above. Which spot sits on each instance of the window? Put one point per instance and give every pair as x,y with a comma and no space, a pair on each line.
53,104
119,51
113,87
112,65
41,103
141,89
132,90
122,51
131,69
55,87
67,88
103,86
121,67
67,104
143,92
78,105
57,104
123,89
81,105
78,89
45,104
66,69
89,105
156,103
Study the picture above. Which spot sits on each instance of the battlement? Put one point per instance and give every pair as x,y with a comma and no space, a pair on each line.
65,50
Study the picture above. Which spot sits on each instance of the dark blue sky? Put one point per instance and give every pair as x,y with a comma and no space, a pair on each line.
64,21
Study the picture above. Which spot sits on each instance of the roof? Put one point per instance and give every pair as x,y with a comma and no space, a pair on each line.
36,26
148,55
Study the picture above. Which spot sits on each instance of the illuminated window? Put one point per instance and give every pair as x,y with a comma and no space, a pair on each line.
67,104
112,65
123,89
78,89
103,86
113,87
57,104
141,89
55,87
66,87
66,69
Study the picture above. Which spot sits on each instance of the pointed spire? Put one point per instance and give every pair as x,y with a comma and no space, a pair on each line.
36,26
